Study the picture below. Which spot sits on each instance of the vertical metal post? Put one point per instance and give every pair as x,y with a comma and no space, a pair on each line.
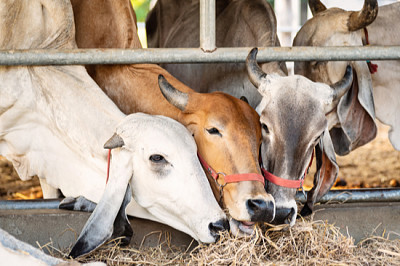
207,25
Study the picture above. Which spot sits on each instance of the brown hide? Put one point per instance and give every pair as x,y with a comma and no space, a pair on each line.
134,88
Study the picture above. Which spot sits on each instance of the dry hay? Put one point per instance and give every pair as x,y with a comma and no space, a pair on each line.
307,243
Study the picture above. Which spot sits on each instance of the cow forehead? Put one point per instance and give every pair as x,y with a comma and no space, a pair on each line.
223,110
322,26
159,132
293,103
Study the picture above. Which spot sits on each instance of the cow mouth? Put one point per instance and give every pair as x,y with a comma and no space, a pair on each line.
241,228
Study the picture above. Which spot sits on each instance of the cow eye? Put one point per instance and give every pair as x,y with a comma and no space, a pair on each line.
157,158
214,131
264,126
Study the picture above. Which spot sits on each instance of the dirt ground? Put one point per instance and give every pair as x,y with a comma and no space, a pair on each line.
376,164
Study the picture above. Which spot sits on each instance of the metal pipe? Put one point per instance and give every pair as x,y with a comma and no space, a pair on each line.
207,25
194,55
357,195
29,204
345,195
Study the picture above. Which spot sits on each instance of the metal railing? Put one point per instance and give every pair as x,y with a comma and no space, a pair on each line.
207,53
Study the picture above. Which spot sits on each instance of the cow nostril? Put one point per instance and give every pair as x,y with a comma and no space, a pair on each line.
255,205
284,215
217,227
261,210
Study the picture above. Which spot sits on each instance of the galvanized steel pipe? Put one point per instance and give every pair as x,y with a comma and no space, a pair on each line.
194,55
207,25
345,195
357,195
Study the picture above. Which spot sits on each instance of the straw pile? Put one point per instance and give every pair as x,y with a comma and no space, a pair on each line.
307,243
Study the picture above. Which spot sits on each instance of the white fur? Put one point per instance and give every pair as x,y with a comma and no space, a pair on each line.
54,121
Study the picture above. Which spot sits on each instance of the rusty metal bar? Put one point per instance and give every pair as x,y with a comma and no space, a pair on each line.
207,25
194,55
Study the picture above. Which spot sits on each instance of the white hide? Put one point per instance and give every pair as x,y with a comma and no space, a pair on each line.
16,252
385,83
54,121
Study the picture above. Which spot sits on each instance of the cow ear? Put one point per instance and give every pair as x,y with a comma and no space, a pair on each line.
109,217
356,113
327,171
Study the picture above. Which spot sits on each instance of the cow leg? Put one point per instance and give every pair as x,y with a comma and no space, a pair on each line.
77,204
49,192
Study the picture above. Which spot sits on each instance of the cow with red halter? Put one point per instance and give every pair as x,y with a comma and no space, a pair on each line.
226,130
293,120
292,114
375,89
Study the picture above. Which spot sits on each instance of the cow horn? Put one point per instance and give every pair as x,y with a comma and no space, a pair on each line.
339,89
114,142
253,69
361,19
342,86
316,6
175,97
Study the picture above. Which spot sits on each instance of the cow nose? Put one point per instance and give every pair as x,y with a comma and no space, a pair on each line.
217,227
284,215
260,210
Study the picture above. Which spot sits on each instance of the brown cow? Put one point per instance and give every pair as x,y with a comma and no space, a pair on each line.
226,130
352,124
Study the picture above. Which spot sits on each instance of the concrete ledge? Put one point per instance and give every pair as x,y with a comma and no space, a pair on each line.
62,227
361,220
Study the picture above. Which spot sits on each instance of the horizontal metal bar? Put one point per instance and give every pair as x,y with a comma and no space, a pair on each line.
345,195
29,204
194,55
357,195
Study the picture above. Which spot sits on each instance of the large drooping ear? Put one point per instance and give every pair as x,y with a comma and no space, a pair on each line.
109,218
356,113
327,171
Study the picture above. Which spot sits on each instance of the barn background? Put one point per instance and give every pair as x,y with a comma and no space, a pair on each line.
376,164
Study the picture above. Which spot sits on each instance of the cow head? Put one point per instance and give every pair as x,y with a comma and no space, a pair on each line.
228,137
292,114
352,123
156,157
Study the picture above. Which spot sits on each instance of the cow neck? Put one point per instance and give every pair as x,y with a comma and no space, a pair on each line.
373,68
235,178
282,182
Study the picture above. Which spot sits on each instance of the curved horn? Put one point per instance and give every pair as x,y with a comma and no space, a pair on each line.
342,86
339,89
316,6
175,97
253,69
361,19
114,142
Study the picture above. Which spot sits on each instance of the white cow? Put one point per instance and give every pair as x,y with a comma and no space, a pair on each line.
54,121
352,124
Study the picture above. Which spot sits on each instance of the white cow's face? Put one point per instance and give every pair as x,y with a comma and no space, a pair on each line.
157,157
168,180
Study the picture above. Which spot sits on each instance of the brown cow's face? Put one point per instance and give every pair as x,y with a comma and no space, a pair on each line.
228,136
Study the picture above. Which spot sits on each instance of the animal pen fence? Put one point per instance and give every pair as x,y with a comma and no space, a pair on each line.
207,53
